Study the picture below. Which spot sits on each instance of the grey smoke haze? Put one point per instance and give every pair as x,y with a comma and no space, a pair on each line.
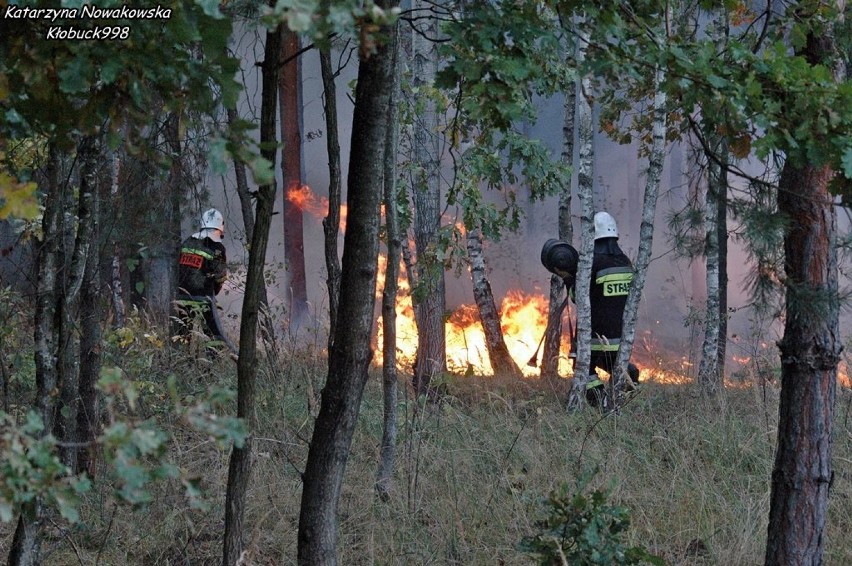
672,288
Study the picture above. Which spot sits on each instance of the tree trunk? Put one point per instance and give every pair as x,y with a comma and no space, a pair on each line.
91,311
291,168
161,266
656,160
331,223
552,339
553,329
585,194
68,356
68,293
498,353
384,474
709,374
350,356
245,197
241,177
26,544
430,296
722,245
712,364
117,295
239,468
810,351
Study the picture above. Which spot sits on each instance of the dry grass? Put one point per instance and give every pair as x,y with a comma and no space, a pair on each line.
471,470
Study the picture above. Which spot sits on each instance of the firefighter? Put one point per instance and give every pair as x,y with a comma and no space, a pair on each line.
612,274
202,271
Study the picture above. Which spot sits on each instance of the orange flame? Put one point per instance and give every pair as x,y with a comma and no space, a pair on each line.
843,378
314,205
523,320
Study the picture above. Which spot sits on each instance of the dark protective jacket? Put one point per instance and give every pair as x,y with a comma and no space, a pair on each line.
203,267
612,274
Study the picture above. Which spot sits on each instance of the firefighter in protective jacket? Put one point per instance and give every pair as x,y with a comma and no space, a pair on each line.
202,271
612,274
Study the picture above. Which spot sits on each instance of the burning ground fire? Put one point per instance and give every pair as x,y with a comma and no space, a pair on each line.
523,318
523,321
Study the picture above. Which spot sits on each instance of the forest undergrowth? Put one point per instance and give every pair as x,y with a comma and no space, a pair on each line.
472,467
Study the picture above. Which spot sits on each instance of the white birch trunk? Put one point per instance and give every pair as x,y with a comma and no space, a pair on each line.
25,549
498,353
119,313
646,235
585,194
77,245
708,368
550,356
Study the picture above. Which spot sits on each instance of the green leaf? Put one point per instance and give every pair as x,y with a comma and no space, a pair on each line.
210,8
110,69
717,81
74,77
846,163
146,441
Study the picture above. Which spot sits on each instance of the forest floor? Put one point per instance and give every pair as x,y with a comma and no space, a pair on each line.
471,470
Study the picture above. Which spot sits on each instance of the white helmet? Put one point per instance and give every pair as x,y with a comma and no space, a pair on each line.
212,225
605,226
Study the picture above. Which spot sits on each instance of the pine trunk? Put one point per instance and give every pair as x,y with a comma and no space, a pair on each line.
350,356
291,168
68,357
239,469
161,267
489,315
810,351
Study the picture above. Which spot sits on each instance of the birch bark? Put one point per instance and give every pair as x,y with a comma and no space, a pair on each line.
646,234
585,194
498,353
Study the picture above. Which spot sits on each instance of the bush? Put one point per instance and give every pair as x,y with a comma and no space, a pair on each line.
582,529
